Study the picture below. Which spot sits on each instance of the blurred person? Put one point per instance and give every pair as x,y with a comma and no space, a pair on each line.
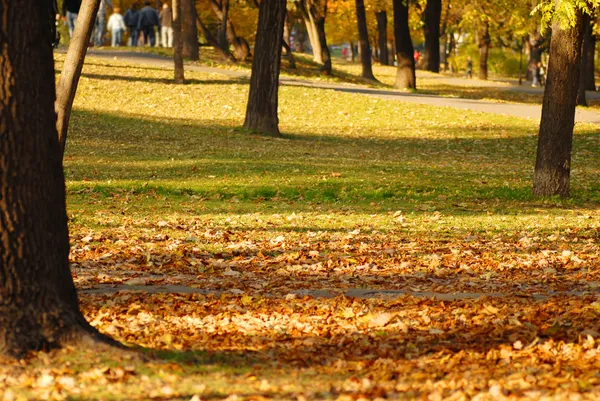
131,19
70,9
101,22
116,26
147,21
166,25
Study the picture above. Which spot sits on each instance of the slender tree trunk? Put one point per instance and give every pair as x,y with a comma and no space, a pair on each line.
384,57
189,30
227,56
405,73
484,50
177,42
261,113
287,29
432,18
223,26
553,162
311,29
326,69
38,300
585,44
71,72
240,45
365,46
590,57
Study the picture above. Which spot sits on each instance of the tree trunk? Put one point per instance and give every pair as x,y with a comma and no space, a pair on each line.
261,113
553,163
484,49
590,73
405,73
311,29
431,29
365,46
224,52
38,300
240,45
189,30
287,30
71,72
223,26
177,42
384,57
585,44
326,69
352,51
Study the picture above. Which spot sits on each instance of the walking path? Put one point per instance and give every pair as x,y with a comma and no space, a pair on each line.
530,111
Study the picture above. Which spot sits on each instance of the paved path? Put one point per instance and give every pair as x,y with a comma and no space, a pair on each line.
530,111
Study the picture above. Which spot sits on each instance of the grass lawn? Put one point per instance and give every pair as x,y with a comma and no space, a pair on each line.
165,189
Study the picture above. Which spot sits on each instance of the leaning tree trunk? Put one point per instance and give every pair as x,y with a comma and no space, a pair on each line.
189,31
384,57
326,69
363,35
38,300
177,42
585,43
484,50
224,52
261,113
553,162
71,71
405,73
311,29
431,29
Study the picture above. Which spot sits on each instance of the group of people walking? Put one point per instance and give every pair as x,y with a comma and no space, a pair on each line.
141,24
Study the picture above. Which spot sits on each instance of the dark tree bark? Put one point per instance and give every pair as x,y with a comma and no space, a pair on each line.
71,72
287,31
405,73
585,44
240,45
224,52
177,42
432,18
484,50
590,56
223,26
365,46
553,162
326,69
38,300
189,31
261,113
384,57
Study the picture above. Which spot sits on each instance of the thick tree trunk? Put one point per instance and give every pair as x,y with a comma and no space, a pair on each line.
365,46
38,300
384,57
405,73
553,163
432,18
224,52
261,113
189,30
326,69
71,72
484,49
585,44
177,42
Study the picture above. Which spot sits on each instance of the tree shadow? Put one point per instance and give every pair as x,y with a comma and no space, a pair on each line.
225,81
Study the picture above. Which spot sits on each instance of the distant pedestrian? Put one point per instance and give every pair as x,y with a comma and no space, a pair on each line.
116,26
535,73
344,53
166,26
417,56
147,21
70,10
101,22
541,74
131,18
469,73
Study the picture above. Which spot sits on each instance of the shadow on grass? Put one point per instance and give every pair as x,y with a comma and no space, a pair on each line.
225,81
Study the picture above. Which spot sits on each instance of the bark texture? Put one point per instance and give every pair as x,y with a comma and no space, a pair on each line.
261,113
432,18
177,42
71,72
405,72
189,31
224,52
363,35
553,162
484,50
384,56
38,301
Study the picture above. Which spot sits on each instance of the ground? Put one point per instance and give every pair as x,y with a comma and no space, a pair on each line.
380,249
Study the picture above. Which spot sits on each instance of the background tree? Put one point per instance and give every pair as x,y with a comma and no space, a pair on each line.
261,112
381,17
431,29
177,42
71,72
553,162
189,30
405,72
38,300
363,35
240,45
313,13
